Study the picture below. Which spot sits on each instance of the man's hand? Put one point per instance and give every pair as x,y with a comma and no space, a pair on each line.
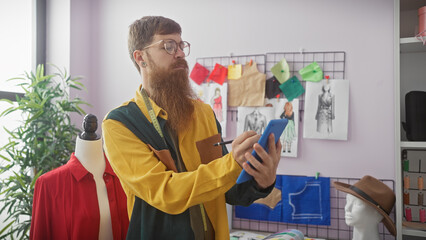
264,172
244,144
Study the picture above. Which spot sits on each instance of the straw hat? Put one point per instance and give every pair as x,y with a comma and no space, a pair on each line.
376,194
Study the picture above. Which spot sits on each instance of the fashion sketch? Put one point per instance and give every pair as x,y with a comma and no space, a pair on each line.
289,132
216,102
290,111
255,121
216,96
200,91
325,112
253,118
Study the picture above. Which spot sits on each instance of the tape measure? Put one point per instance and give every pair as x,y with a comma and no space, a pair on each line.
157,127
151,113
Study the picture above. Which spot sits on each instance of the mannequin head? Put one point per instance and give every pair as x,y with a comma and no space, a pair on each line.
373,193
90,124
359,214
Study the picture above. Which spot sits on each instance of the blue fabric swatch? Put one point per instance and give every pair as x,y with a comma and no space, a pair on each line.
306,200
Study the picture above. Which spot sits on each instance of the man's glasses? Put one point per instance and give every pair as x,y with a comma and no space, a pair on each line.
171,46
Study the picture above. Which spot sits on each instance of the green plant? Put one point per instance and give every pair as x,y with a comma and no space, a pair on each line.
43,141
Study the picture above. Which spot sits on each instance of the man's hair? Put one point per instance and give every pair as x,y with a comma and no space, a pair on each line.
142,31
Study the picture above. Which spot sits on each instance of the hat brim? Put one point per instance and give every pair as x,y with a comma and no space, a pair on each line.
387,221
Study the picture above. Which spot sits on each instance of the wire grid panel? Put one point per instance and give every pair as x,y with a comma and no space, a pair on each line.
337,229
210,62
331,63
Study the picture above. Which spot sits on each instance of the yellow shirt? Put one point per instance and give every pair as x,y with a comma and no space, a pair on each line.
143,175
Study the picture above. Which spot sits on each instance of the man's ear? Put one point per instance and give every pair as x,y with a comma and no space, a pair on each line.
139,57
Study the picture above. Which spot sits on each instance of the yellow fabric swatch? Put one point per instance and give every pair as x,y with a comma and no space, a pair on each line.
234,71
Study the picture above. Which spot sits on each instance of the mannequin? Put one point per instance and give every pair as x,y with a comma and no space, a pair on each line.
363,218
368,202
89,151
82,199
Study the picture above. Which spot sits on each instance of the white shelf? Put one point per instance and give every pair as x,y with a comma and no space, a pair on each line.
413,144
413,232
409,40
411,44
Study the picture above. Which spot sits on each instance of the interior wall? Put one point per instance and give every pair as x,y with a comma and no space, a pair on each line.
83,54
363,29
58,34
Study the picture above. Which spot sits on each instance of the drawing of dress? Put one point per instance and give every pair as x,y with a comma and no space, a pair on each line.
217,107
325,111
289,132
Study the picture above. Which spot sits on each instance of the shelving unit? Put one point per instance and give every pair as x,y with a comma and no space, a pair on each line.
410,74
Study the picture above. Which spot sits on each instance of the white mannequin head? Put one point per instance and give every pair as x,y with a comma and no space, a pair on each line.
369,201
363,217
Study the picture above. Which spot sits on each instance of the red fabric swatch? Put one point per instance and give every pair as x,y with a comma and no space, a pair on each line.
199,73
218,74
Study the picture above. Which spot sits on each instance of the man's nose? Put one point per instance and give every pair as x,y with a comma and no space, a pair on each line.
179,53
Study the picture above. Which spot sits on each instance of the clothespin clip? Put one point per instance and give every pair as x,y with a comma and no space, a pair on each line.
233,62
278,97
327,77
251,62
317,175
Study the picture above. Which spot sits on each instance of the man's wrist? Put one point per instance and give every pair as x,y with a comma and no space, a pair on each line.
264,190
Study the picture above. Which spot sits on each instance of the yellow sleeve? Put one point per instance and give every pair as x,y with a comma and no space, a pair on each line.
143,175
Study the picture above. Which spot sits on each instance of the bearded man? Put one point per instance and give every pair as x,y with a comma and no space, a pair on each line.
160,145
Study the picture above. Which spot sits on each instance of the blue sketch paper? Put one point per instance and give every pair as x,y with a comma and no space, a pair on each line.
306,200
262,212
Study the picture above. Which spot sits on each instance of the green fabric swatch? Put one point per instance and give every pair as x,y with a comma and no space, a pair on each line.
312,73
281,71
292,88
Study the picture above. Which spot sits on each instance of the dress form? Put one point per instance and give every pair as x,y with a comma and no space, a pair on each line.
363,218
89,151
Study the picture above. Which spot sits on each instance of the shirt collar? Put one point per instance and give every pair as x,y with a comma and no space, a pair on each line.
79,172
159,112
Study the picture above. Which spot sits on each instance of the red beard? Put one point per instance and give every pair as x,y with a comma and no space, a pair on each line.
170,89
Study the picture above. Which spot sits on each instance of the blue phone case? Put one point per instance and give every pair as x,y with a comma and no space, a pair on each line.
275,126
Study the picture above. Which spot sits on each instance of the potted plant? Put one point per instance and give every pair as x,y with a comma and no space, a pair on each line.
43,141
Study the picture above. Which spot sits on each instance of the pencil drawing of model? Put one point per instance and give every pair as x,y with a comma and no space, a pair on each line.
255,121
325,112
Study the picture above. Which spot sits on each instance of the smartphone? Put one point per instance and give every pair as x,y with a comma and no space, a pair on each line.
275,126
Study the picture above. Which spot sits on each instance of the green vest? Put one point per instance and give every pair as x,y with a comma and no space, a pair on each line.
148,222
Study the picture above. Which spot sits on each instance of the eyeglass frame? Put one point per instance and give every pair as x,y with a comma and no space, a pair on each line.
177,44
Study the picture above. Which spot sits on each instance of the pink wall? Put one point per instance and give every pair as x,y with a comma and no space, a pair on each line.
363,29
